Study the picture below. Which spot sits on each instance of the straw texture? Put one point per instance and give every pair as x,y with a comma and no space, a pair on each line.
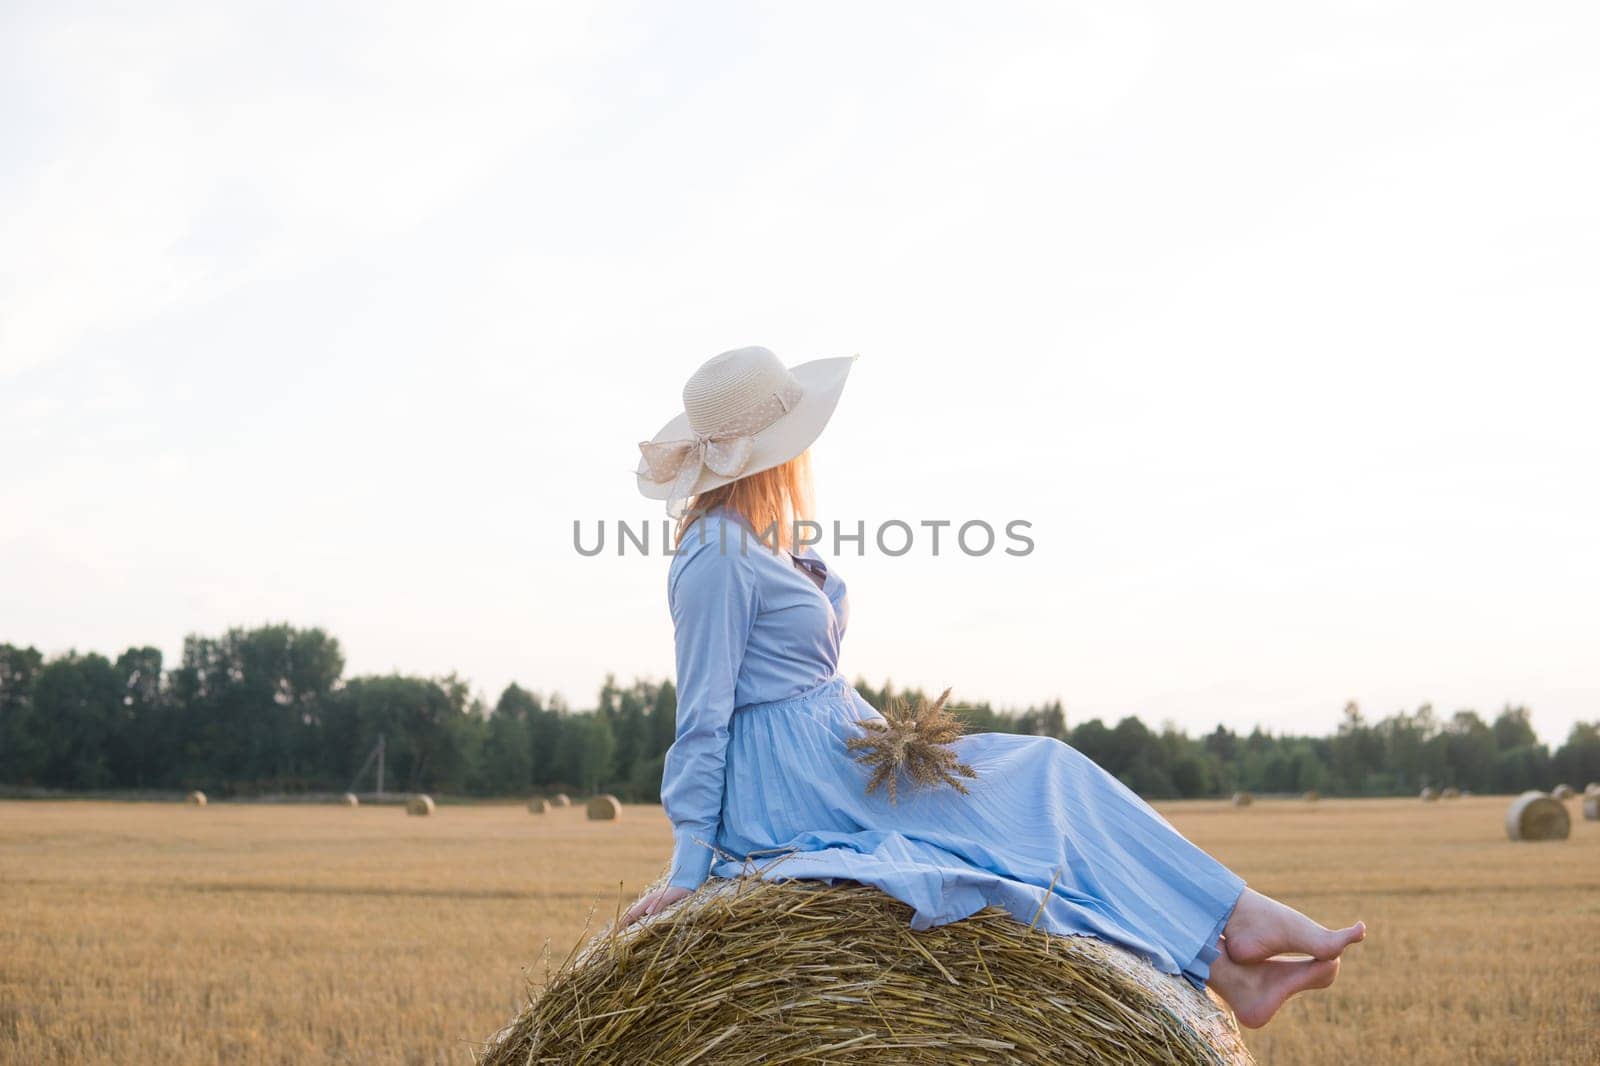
752,971
1536,816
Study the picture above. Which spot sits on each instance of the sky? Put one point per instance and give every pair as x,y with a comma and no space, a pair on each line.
1277,324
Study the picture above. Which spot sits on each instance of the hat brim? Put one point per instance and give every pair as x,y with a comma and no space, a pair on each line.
822,380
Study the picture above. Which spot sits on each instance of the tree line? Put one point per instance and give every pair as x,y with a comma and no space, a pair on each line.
268,710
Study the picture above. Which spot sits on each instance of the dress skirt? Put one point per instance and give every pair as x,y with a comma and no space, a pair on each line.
1040,824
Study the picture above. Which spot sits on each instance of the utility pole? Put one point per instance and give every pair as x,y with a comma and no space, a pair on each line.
375,753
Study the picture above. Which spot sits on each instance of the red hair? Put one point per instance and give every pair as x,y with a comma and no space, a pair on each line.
773,501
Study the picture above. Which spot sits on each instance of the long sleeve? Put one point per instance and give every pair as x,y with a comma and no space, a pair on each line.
714,600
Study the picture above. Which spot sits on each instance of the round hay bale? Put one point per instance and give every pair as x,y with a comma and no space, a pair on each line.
1591,807
195,798
1451,793
1562,792
560,800
1311,795
743,969
604,808
1243,799
420,805
1592,789
350,799
1536,816
537,805
1429,795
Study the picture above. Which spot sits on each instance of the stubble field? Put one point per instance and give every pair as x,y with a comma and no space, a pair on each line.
144,933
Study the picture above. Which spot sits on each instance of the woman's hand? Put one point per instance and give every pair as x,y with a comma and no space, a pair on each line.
659,900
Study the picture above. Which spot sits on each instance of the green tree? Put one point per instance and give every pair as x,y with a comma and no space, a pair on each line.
508,753
1512,729
20,753
1047,721
663,718
1469,752
586,747
140,738
76,701
1577,762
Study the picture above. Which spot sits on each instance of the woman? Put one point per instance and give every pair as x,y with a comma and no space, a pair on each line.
760,779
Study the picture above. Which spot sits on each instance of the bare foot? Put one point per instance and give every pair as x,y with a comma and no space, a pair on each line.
1261,927
1256,991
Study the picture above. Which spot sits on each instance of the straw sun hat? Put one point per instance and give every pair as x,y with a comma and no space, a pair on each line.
743,412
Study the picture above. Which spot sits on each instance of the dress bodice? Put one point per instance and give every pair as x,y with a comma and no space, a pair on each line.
731,594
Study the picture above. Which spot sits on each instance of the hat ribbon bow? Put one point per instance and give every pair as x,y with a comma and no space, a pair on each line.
725,451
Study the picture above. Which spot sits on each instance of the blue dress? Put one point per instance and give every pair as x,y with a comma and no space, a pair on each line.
759,779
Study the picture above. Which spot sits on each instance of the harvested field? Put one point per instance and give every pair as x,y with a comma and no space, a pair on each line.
134,933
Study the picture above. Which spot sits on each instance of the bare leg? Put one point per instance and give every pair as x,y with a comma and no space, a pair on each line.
1256,991
1261,927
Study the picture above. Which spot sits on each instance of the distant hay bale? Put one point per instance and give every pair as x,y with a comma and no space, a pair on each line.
1451,793
1591,807
1592,789
420,805
604,808
1311,795
537,805
560,800
350,799
1429,795
1243,799
750,971
1536,816
195,798
1562,792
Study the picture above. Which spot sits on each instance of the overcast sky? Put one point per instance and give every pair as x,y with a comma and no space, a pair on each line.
1277,321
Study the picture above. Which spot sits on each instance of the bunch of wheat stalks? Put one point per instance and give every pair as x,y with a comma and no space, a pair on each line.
912,741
